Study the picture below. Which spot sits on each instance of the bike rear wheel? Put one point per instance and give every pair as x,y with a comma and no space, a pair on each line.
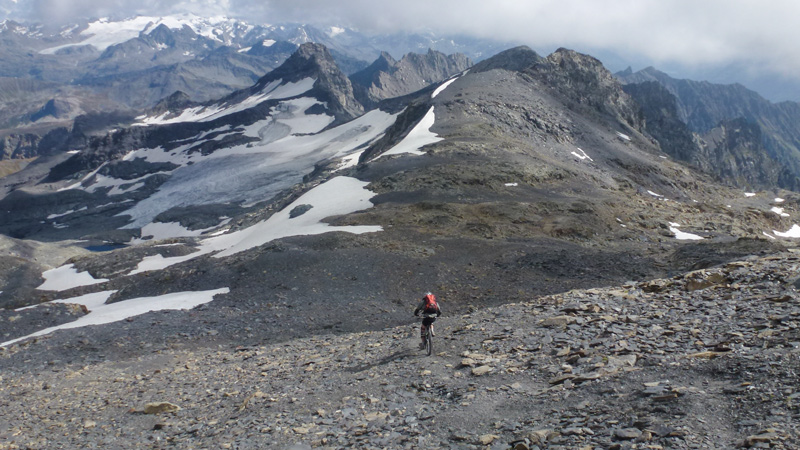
429,342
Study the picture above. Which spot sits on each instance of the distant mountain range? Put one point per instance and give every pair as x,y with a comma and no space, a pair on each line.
135,63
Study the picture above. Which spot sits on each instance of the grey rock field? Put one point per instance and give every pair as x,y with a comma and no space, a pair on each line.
708,359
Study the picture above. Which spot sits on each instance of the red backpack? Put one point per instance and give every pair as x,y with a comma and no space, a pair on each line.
430,304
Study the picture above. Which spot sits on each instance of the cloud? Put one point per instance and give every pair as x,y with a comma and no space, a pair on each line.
59,12
689,32
761,36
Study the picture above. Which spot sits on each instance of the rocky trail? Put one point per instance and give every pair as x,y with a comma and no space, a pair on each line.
709,359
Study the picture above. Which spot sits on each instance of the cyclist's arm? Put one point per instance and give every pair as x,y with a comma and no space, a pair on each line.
419,307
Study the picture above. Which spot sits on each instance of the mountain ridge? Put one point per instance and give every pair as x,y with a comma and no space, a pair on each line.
703,109
702,106
388,78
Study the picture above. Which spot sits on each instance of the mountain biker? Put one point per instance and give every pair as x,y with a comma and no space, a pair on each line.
428,305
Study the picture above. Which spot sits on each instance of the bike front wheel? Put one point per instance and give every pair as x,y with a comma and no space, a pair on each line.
429,343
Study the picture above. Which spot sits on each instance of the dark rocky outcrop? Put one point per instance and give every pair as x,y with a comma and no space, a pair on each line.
660,111
588,85
734,151
57,109
21,146
16,146
177,101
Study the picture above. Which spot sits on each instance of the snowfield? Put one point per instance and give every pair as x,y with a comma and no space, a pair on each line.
290,143
101,313
443,87
258,171
104,33
338,196
273,91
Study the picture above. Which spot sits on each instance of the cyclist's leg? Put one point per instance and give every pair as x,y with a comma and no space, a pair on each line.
426,323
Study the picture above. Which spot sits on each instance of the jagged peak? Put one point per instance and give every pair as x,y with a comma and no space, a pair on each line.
313,60
386,77
176,99
307,61
628,70
384,63
385,58
514,59
565,57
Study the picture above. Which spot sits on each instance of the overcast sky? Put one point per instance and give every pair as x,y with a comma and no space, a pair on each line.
757,37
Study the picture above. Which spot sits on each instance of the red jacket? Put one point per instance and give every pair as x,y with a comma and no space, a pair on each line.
424,302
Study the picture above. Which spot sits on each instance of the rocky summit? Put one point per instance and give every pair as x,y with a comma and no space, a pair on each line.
241,273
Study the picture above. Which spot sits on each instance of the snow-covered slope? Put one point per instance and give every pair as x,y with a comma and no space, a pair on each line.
241,150
104,32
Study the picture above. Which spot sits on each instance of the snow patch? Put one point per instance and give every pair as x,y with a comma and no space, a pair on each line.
622,136
779,211
779,200
338,196
66,277
268,42
417,138
443,87
349,161
101,313
512,184
793,232
749,194
655,195
682,236
582,154
55,216
167,230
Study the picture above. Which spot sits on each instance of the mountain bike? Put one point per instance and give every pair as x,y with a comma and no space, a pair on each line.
429,334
